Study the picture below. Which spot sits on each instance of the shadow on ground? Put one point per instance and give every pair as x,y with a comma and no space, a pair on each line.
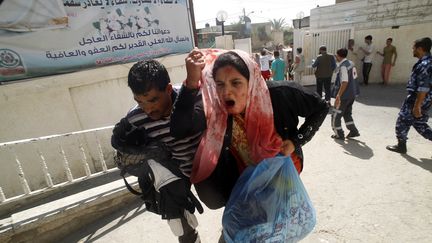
121,217
422,162
356,148
380,95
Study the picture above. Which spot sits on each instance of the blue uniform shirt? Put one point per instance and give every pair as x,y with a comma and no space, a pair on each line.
421,76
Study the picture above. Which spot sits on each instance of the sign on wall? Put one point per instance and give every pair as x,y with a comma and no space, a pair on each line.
92,34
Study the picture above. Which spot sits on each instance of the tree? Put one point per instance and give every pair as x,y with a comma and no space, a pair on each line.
278,24
262,34
288,36
239,28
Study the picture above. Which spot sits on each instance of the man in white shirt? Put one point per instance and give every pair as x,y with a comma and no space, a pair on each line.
265,60
368,51
345,92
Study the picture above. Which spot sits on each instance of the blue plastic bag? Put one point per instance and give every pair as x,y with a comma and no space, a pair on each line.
268,204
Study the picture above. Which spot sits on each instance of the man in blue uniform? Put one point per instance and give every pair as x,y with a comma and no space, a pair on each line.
414,110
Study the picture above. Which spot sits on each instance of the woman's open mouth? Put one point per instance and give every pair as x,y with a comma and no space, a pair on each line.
229,103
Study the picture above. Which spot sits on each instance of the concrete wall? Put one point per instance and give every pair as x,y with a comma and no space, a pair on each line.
403,39
372,14
277,37
243,44
60,104
224,42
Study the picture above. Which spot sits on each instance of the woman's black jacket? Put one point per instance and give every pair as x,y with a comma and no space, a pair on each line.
289,101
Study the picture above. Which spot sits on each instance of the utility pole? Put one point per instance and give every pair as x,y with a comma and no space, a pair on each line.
244,14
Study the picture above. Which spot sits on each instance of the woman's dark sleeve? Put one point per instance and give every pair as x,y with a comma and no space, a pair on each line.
313,109
188,117
291,101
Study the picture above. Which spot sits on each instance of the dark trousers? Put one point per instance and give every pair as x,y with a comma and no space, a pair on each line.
406,120
366,70
345,111
215,190
327,85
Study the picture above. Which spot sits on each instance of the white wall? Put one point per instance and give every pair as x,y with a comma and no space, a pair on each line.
224,42
403,39
60,104
243,44
372,14
277,37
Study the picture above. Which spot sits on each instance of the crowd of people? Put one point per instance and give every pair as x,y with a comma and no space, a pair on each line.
232,111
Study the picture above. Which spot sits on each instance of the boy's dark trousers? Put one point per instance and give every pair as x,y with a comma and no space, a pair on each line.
345,111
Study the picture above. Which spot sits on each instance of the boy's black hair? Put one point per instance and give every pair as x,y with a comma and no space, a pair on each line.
231,59
424,43
276,53
343,52
147,75
368,37
299,50
323,48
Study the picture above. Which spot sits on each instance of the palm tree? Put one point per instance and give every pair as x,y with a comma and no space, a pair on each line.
278,24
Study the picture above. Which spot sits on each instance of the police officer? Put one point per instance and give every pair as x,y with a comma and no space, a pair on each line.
414,110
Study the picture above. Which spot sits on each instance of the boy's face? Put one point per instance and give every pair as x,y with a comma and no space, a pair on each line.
155,103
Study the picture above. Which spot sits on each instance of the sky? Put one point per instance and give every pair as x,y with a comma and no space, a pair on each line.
257,10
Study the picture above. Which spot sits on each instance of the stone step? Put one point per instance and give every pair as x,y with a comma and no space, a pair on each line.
50,221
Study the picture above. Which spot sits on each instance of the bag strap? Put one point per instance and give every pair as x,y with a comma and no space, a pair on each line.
129,187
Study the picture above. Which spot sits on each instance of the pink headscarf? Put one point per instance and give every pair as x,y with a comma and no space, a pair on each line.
262,138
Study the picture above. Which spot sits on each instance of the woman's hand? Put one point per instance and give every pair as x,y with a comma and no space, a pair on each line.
194,64
287,147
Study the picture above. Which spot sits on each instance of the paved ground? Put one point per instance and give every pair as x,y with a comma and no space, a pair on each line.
361,191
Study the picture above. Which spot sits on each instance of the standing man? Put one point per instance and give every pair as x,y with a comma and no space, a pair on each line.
346,90
414,110
278,67
368,52
388,62
264,63
148,123
325,64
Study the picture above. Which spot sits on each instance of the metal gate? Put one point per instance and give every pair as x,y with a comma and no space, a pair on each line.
311,40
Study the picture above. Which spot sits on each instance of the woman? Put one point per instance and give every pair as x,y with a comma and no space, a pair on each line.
248,119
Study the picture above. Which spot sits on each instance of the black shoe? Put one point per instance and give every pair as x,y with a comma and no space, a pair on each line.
221,238
190,237
334,136
352,134
399,148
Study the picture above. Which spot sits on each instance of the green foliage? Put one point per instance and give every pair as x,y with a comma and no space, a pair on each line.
240,29
278,24
262,34
288,36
